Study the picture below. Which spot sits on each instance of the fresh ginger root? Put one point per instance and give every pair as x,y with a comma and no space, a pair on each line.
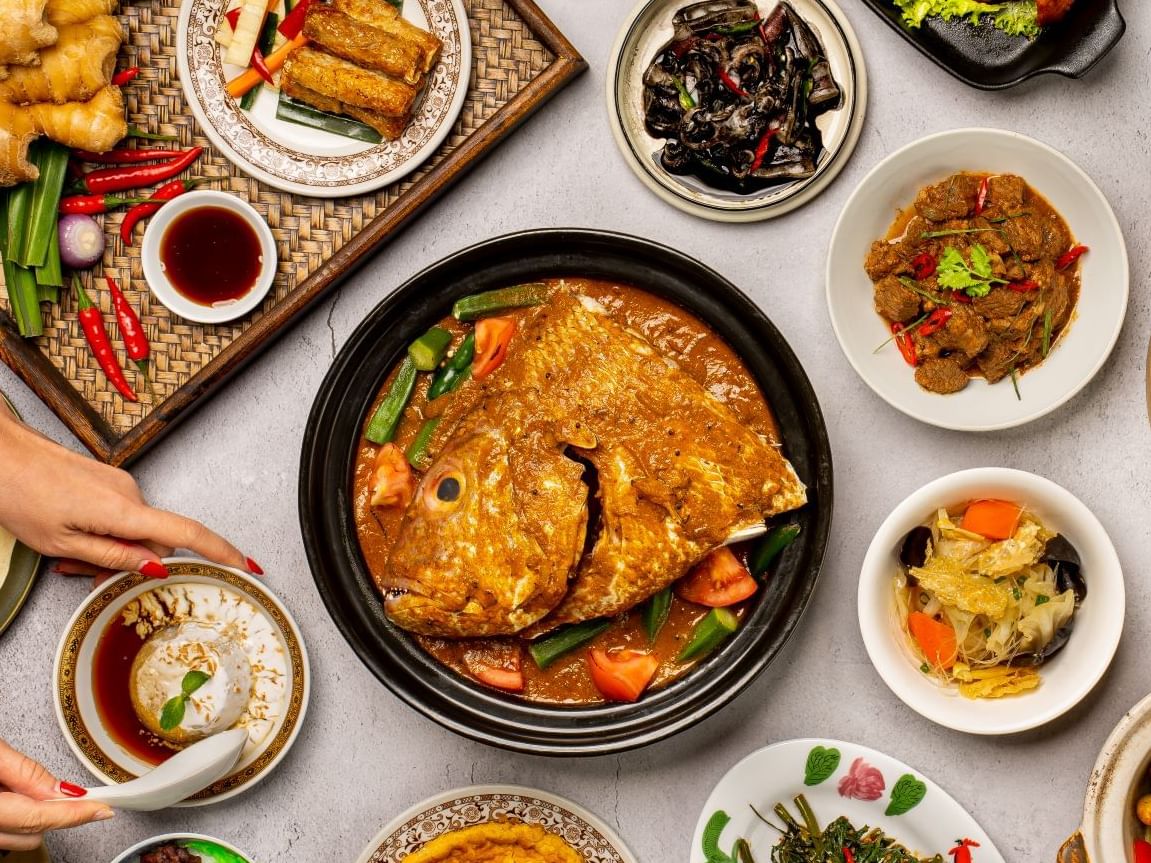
23,31
18,129
73,70
63,12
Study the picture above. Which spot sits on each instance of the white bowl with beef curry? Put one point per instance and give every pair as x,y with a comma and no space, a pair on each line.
977,279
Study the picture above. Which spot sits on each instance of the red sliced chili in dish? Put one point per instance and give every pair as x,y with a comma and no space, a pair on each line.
1070,257
981,196
924,265
905,344
936,321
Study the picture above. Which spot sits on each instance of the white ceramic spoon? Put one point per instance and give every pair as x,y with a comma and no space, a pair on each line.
188,771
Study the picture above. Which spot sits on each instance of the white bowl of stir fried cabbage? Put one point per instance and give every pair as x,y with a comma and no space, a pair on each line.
991,618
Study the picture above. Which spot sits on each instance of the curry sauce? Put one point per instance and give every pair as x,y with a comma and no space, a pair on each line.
702,355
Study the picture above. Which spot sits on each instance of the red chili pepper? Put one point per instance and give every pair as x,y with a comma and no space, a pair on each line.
163,194
293,22
92,323
681,47
905,344
93,204
981,197
1070,257
1142,851
924,265
135,342
261,67
122,78
119,178
761,149
729,82
848,855
127,156
961,298
1025,286
232,16
936,321
962,850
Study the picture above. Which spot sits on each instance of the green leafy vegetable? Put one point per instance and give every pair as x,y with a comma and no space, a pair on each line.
974,278
1018,18
821,763
906,795
1013,17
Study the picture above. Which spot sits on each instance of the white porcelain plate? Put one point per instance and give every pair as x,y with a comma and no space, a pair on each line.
283,684
645,33
592,839
837,778
307,161
1082,348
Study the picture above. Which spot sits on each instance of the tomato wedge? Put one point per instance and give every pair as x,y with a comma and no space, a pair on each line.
493,335
717,581
393,483
994,519
621,675
509,677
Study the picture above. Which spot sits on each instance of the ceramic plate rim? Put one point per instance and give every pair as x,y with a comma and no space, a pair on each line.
807,742
1112,227
803,192
609,833
34,556
352,188
875,626
305,680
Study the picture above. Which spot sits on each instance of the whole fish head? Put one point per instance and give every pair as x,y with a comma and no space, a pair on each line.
493,534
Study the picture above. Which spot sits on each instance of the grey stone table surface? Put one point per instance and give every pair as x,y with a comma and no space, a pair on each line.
363,756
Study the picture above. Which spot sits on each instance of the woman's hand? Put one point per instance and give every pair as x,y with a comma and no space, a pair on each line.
65,505
25,816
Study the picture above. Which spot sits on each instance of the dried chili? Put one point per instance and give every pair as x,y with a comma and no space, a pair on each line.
92,322
135,341
146,208
924,265
936,321
1070,257
905,344
119,178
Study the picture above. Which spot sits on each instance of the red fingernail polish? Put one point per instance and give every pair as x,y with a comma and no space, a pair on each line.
254,567
70,790
154,569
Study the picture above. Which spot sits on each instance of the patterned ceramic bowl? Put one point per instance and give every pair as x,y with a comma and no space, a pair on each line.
209,850
466,807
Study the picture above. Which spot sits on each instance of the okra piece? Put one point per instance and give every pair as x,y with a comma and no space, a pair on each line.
382,427
709,634
417,451
501,300
655,613
548,649
427,351
455,370
771,547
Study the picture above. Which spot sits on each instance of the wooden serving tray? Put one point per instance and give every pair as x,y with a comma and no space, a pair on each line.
519,60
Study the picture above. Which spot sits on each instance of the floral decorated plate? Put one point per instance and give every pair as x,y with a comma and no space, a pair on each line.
304,160
591,838
865,786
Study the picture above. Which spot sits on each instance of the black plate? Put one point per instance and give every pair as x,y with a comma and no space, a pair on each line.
330,444
989,59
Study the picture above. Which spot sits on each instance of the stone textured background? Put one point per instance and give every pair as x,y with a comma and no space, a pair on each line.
363,756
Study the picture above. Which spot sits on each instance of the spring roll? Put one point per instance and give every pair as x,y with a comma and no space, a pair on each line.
18,129
63,12
346,82
362,44
390,128
383,16
23,31
97,125
77,67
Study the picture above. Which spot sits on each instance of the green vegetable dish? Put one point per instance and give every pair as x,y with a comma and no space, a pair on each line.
1025,18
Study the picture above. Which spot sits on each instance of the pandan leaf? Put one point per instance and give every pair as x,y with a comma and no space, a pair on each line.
173,713
210,852
821,763
193,680
906,795
711,833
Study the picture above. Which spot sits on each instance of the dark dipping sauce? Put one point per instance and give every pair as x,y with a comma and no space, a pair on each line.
701,353
211,255
111,688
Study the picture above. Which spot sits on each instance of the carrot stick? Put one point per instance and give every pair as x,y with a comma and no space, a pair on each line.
249,78
994,519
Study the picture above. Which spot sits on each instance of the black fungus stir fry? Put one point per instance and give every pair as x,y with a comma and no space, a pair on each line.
737,96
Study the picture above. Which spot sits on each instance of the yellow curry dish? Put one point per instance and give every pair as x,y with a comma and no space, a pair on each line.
496,842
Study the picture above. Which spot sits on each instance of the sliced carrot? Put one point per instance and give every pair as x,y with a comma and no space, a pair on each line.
393,483
935,638
493,335
994,519
621,675
249,78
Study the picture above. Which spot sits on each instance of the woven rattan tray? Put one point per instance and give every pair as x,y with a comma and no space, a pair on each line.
519,60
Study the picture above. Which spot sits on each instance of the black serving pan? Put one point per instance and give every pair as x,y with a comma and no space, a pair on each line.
326,514
989,59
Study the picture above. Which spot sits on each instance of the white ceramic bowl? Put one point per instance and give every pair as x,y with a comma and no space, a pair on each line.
75,703
1083,347
1067,677
132,855
176,302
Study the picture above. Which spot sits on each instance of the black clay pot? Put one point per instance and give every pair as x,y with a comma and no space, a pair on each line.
326,514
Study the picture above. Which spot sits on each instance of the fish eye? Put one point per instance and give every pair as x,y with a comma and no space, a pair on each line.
444,491
448,489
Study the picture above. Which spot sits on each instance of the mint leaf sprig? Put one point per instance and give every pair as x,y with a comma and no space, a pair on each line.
172,714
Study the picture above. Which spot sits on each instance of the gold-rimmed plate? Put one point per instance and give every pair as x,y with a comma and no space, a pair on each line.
286,676
592,839
19,565
304,160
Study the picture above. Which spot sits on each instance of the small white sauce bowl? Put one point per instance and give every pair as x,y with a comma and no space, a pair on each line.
1067,677
162,287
